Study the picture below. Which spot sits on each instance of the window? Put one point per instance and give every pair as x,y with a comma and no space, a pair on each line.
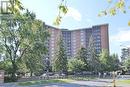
82,43
97,40
82,31
52,32
81,34
98,37
82,40
74,44
74,53
74,50
52,35
52,48
52,52
52,42
98,48
52,38
74,40
52,45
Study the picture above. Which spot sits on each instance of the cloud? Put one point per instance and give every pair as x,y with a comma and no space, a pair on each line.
127,45
74,13
89,20
121,36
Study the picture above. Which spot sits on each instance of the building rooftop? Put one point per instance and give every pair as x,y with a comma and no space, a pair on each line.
78,28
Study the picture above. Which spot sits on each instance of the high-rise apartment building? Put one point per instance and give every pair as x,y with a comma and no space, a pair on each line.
75,39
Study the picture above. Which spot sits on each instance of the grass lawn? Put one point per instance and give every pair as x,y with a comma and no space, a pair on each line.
123,82
28,83
70,79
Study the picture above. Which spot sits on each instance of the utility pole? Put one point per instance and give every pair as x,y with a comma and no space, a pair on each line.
114,79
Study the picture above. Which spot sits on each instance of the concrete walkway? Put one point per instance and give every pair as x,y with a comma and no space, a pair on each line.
95,83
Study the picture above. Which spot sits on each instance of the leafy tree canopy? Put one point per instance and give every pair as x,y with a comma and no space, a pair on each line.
76,65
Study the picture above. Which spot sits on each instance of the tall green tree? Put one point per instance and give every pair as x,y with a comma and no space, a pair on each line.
60,59
114,61
109,62
126,63
22,68
34,60
93,60
104,60
20,34
6,66
34,65
75,65
83,56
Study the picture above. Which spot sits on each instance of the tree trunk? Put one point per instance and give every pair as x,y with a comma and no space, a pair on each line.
31,74
14,69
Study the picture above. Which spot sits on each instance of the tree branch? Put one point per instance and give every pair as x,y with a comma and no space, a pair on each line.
23,52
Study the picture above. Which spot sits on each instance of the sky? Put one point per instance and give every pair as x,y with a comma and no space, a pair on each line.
82,14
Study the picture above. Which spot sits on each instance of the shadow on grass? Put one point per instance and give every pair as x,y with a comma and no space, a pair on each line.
56,83
28,83
61,84
68,80
70,85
